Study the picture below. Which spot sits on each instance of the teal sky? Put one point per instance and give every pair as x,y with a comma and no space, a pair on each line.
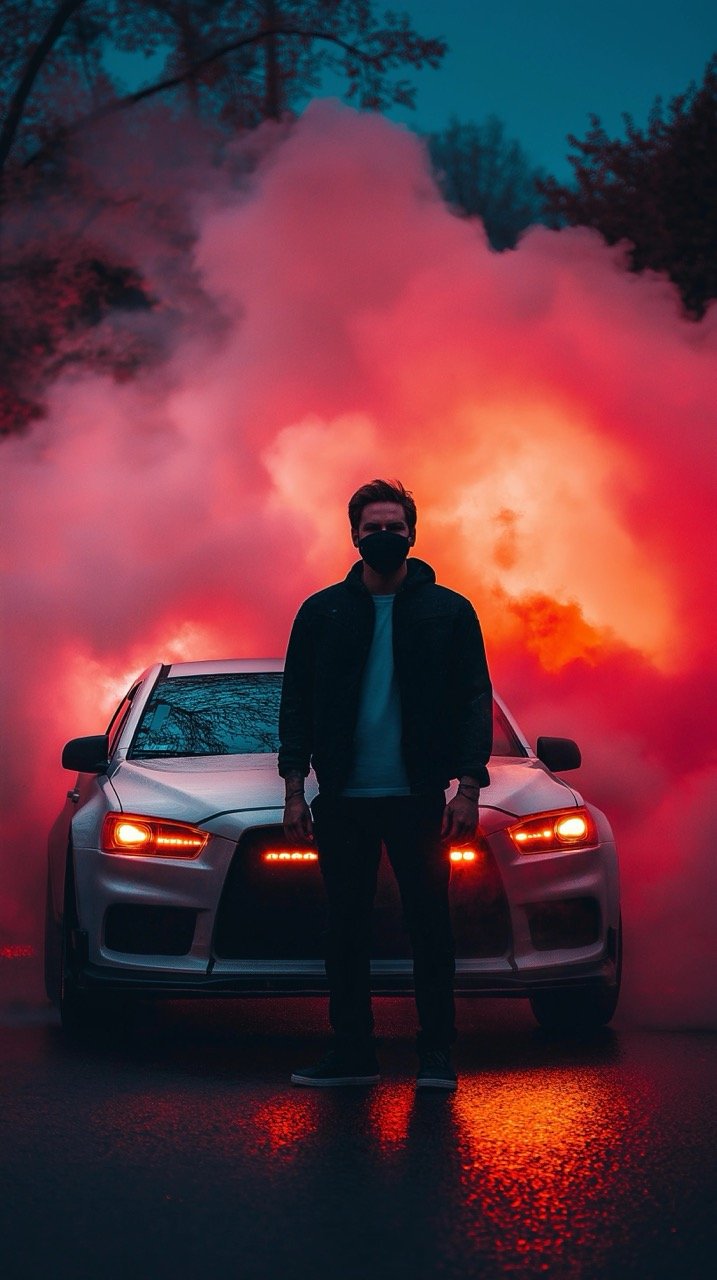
543,67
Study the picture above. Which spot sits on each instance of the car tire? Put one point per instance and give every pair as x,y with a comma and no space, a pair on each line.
79,1010
580,1009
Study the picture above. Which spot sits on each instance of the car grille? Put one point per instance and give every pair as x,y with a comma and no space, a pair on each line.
278,910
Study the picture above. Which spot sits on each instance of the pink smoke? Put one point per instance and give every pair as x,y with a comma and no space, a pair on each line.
553,414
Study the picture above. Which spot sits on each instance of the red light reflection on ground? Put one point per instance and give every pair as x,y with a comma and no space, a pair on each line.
283,1122
389,1113
540,1151
149,1121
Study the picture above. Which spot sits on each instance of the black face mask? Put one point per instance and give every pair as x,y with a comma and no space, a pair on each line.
384,551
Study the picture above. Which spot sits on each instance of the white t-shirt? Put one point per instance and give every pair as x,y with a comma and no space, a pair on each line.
378,766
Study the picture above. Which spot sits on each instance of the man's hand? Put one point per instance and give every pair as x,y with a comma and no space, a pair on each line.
298,824
460,819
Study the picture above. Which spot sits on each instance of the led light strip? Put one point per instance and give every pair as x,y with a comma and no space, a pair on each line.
290,855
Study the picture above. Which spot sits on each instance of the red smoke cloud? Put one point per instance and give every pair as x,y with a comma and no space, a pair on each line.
554,416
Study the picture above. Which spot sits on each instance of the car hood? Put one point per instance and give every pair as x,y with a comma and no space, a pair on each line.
219,791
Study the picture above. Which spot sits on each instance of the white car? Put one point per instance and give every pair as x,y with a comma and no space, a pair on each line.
169,874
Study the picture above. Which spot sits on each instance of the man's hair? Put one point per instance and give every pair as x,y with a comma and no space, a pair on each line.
382,491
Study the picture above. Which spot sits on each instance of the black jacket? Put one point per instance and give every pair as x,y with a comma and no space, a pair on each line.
440,665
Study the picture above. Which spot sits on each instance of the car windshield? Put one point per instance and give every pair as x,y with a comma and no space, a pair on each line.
234,714
222,715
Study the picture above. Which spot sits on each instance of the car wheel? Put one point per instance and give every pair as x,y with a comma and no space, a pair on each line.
580,1009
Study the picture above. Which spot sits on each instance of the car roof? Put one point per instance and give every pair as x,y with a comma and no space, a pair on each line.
224,666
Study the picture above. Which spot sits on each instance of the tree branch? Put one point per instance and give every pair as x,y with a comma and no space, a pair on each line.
34,65
162,86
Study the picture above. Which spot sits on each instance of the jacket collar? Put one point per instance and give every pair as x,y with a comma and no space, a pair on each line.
418,574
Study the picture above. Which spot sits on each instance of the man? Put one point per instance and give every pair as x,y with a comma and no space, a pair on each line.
387,694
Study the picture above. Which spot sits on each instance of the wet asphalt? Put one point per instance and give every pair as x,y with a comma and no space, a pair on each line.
173,1145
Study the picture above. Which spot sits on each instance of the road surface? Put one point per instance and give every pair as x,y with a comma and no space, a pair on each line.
175,1146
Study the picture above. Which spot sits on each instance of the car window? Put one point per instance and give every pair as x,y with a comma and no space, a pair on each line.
232,714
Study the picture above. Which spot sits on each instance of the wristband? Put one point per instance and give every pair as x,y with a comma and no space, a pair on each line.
467,795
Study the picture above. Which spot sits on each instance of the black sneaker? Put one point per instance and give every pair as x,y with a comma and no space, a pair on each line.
435,1070
339,1067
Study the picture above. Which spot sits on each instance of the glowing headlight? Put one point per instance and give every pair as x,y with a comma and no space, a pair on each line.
549,832
151,837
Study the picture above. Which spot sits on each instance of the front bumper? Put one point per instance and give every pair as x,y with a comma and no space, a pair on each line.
525,964
307,978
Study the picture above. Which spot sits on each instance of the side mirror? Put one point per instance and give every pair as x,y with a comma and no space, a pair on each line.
86,755
560,754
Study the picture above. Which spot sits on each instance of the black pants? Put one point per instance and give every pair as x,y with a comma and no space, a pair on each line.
349,833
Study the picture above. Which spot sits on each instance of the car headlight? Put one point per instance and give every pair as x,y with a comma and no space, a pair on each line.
551,832
151,837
